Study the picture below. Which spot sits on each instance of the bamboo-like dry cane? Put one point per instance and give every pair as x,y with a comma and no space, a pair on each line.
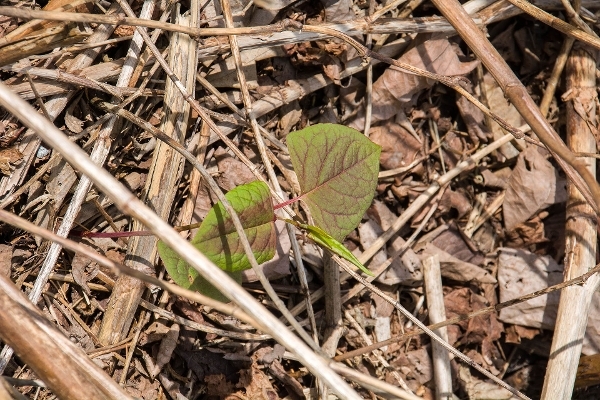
163,174
435,305
580,231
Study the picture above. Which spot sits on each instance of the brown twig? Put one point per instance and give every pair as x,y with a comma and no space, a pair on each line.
557,23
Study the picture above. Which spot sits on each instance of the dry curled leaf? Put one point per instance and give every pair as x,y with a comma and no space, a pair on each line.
531,188
166,348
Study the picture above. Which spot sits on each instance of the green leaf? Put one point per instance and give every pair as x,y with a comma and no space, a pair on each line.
323,239
218,240
337,168
188,278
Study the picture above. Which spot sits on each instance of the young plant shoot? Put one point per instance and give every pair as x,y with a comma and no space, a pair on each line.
337,169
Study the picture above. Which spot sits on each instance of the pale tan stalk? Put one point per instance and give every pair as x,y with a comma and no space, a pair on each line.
62,365
159,192
442,375
580,230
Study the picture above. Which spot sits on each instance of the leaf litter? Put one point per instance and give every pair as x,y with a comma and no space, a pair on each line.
423,130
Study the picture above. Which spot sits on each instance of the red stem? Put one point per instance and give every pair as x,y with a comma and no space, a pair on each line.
285,203
89,234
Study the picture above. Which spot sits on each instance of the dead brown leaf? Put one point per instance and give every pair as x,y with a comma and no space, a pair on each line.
83,271
165,350
219,386
153,333
454,243
475,330
416,366
233,172
455,200
398,147
521,272
531,188
504,42
396,90
9,157
256,384
496,179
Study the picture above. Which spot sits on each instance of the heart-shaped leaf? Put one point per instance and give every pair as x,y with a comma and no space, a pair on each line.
218,240
337,168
